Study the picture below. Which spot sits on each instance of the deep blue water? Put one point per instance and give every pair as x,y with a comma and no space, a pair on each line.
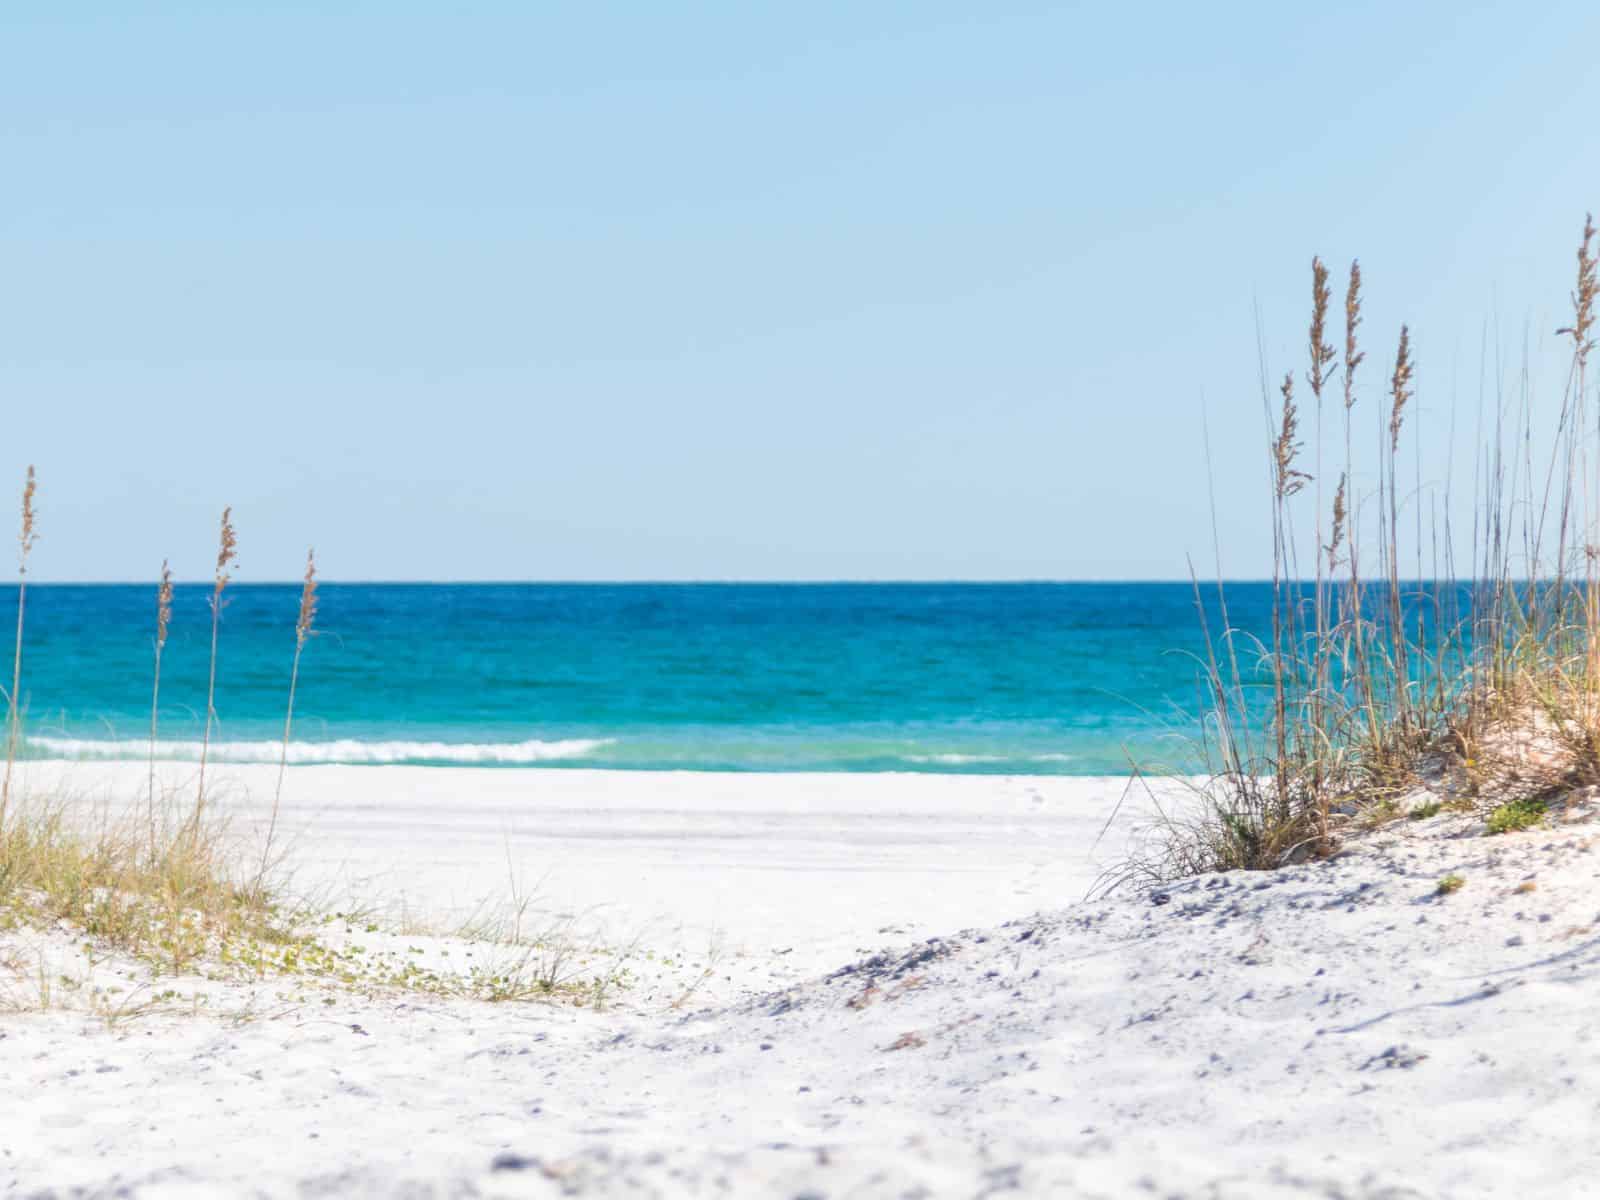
1035,678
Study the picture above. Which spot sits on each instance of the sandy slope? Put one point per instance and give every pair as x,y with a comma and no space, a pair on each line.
1332,1030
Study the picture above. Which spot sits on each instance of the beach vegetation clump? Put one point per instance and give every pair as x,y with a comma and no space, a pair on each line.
1517,815
163,886
166,900
186,905
155,888
1450,884
1411,665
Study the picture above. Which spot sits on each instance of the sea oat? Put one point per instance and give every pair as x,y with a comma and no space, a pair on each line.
308,599
302,631
1322,354
1352,321
1289,480
1339,516
1583,297
1400,387
163,605
25,540
163,620
227,551
27,537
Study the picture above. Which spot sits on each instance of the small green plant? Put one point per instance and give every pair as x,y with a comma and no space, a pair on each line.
1517,815
1423,811
1449,884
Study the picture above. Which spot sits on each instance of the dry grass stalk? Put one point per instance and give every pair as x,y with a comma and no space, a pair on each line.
1583,297
1322,359
1287,447
304,630
1339,517
1400,393
1353,355
25,541
227,552
163,620
1400,390
1322,354
1288,480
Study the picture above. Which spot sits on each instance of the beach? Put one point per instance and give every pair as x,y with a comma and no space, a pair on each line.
856,985
640,604
757,862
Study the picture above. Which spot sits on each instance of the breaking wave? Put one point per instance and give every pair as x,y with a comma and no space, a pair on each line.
345,750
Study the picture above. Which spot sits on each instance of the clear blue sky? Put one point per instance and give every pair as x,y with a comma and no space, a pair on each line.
892,290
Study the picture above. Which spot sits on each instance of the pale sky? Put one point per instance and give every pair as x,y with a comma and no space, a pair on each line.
729,291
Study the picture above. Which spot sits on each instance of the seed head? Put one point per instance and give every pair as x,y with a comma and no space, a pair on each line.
27,537
1352,320
227,549
1583,297
308,600
1400,387
1289,480
163,605
1339,516
1322,354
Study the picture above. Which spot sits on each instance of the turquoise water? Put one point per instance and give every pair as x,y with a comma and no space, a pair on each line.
1029,678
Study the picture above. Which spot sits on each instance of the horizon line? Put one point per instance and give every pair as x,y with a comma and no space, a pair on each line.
1016,581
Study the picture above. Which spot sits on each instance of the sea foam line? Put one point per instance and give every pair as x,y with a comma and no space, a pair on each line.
345,750
955,760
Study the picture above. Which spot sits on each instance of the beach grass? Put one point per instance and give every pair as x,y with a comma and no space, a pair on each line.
1400,678
160,892
181,900
164,883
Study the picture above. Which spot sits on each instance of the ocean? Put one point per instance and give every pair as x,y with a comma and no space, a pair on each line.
1057,678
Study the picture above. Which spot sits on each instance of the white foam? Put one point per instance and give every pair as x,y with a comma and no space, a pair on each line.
956,760
346,750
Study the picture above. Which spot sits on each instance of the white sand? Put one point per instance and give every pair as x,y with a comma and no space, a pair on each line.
760,862
1331,1030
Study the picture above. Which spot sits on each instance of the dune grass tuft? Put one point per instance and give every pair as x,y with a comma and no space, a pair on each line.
167,900
1432,683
